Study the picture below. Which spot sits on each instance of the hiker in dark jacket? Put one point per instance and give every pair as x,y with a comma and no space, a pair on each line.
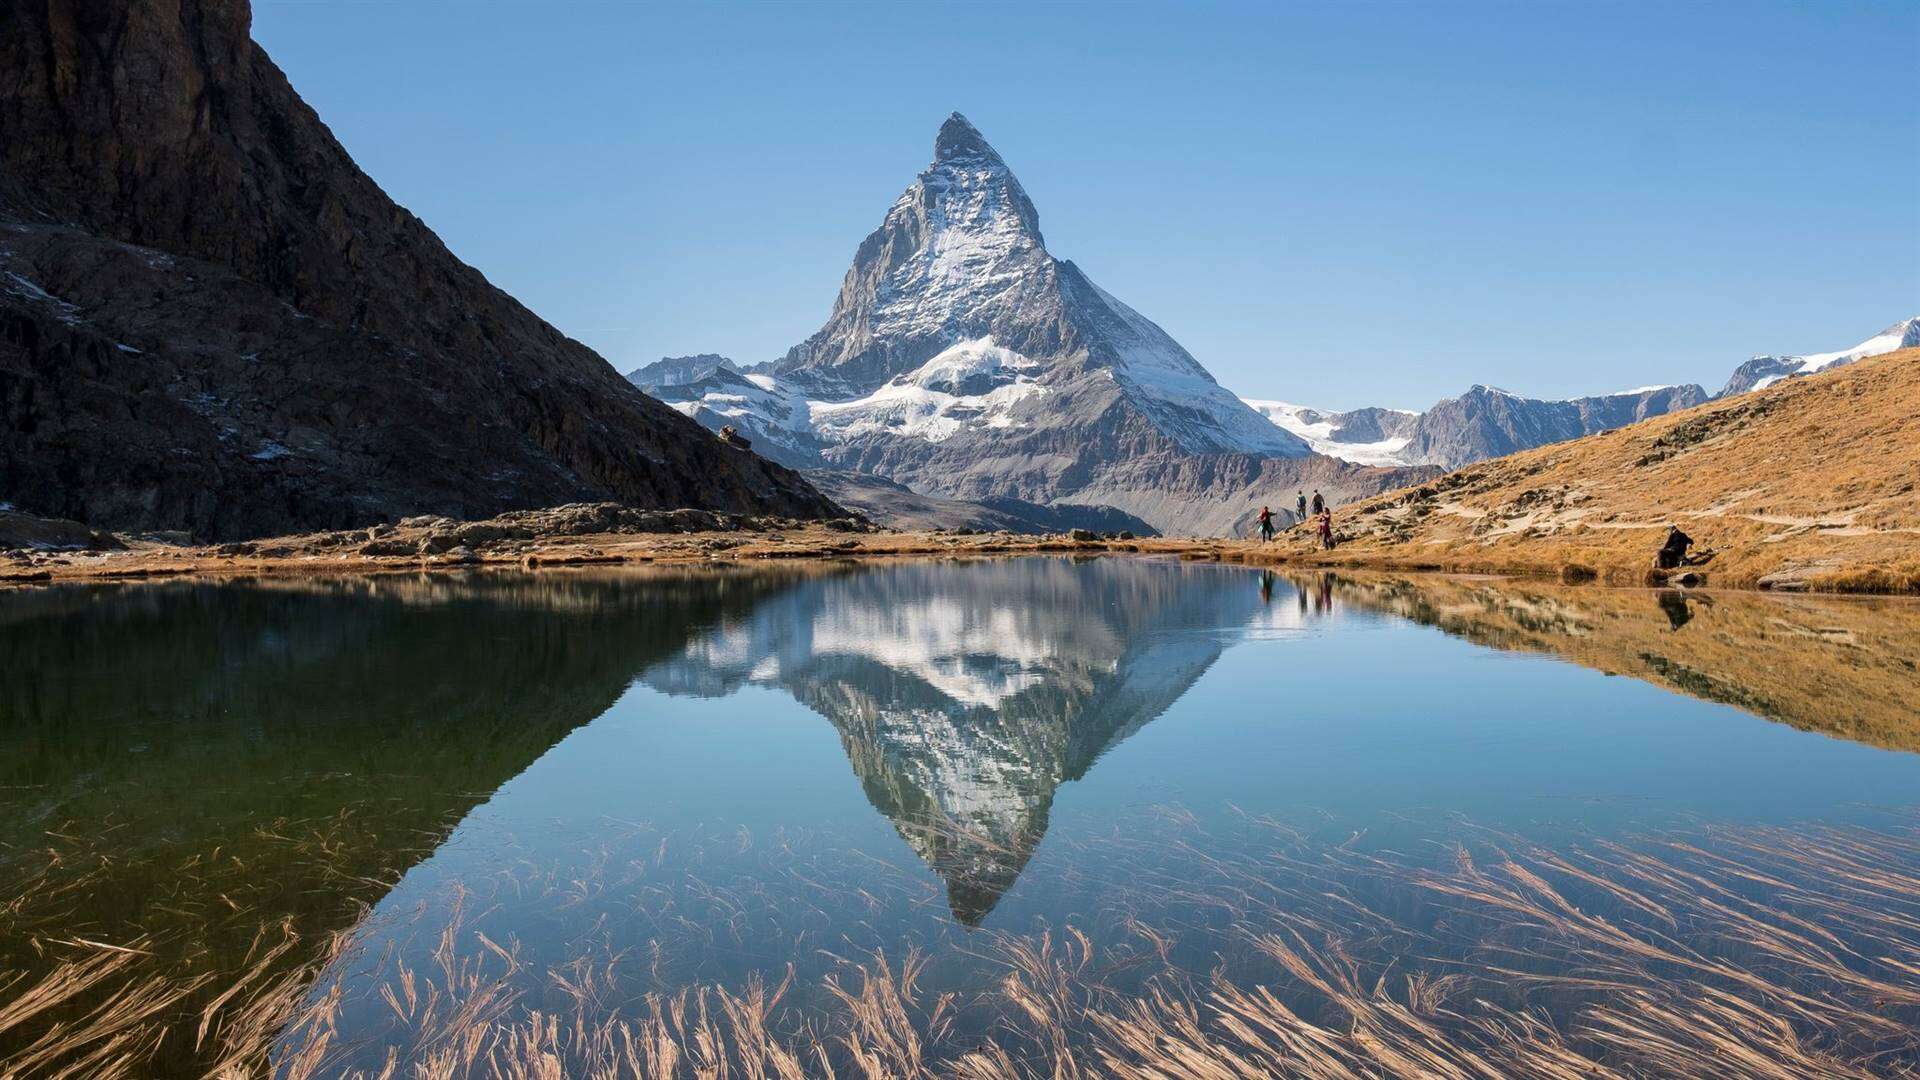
1673,553
1319,503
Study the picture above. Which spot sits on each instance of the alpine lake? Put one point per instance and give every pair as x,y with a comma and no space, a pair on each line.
1018,817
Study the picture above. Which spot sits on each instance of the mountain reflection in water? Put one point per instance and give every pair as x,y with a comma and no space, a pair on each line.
196,768
966,694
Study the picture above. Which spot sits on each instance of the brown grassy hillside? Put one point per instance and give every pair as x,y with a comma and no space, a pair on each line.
1811,483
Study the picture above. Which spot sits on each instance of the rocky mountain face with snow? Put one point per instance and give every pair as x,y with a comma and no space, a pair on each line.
965,700
1763,371
1486,422
964,360
211,320
1482,423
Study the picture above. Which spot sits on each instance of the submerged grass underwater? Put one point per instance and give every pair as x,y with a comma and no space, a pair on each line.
1760,951
595,825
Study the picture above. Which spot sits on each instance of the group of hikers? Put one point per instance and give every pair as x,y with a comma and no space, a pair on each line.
1322,517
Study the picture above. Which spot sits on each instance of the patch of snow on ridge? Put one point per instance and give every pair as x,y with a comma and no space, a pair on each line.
738,397
1898,336
1901,335
979,249
971,383
1316,429
1149,361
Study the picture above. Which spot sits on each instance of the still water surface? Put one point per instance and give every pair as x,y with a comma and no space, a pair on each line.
654,781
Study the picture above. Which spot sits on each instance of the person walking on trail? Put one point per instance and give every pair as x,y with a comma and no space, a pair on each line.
1326,530
1266,524
1319,503
1300,506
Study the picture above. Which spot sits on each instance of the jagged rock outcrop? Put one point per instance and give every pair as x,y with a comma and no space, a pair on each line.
964,360
1764,371
1486,422
211,320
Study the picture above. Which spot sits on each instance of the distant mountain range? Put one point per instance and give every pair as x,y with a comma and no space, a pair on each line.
965,361
1486,422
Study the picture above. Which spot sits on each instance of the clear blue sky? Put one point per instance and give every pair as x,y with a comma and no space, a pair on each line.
1335,204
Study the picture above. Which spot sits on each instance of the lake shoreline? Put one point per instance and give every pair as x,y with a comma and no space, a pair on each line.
563,537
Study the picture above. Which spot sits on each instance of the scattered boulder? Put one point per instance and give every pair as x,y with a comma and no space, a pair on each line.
19,530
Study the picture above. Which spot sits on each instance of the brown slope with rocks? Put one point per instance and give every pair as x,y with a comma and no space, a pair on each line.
211,320
1810,483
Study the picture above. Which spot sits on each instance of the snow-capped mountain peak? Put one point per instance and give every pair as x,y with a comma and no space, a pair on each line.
959,139
1763,371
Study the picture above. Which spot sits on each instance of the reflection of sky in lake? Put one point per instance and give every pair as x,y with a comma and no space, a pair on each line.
1043,706
713,775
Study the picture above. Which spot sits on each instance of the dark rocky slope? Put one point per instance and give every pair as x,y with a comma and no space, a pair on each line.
211,320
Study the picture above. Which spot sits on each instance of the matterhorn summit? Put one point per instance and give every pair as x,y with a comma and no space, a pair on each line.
965,360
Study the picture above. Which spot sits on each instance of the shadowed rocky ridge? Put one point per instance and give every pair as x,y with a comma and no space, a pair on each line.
211,320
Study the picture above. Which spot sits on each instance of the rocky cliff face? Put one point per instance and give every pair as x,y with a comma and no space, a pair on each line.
212,320
964,360
1487,423
1482,423
1764,371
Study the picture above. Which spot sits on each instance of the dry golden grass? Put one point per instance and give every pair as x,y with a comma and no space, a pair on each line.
1753,951
1811,483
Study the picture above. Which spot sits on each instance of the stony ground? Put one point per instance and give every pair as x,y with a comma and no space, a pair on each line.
582,533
